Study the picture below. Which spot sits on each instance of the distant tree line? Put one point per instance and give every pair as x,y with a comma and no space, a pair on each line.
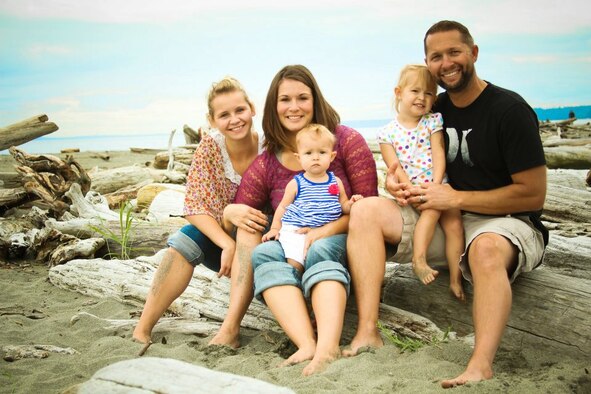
561,113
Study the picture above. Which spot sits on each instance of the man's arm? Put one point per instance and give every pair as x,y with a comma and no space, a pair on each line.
526,193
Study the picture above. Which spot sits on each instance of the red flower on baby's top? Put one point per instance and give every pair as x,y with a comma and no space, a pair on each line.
334,189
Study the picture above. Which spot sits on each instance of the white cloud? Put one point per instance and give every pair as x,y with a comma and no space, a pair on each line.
160,116
485,16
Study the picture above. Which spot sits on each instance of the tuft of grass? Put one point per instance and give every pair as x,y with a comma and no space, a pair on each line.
127,222
410,344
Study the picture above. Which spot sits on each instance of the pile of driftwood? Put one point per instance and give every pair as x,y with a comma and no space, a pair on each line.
551,304
60,211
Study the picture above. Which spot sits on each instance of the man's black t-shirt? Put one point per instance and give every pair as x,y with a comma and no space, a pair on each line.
486,142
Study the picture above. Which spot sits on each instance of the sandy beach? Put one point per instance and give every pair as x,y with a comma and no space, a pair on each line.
34,312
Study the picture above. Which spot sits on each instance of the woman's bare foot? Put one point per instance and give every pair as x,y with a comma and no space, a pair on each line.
363,340
422,270
303,354
458,291
320,362
469,375
140,336
226,338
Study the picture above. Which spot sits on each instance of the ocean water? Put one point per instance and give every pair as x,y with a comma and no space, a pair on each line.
52,144
101,143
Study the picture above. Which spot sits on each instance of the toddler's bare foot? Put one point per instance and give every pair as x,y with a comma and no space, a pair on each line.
226,338
303,354
425,273
363,340
458,291
320,362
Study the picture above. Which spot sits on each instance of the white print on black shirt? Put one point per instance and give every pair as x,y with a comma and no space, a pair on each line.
455,145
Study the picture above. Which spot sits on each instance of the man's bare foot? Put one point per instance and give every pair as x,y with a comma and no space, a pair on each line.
458,291
225,338
361,341
469,375
303,354
425,273
320,362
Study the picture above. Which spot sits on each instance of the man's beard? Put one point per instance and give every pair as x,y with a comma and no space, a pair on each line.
467,74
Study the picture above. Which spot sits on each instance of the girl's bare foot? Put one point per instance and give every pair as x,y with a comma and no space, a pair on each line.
225,338
425,273
458,291
303,354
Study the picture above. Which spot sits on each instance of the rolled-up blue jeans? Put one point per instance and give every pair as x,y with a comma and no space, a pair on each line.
195,247
326,259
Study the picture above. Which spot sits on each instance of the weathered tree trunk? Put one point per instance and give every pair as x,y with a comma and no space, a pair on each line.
566,204
184,156
207,296
566,142
146,238
25,130
165,375
109,181
547,307
578,157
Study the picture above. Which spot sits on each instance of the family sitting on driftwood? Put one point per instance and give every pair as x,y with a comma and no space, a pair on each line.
466,172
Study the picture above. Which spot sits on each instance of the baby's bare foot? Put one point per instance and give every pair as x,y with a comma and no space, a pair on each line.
425,273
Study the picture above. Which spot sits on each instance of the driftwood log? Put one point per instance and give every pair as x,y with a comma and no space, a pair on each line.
109,181
184,156
568,157
549,309
25,130
146,237
165,375
12,197
207,296
192,136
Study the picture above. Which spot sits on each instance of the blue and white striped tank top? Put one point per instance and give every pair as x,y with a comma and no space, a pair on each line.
315,204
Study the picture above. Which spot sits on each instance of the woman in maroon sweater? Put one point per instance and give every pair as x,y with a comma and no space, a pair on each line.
294,100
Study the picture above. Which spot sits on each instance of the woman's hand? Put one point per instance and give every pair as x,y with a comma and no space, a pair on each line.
226,260
245,217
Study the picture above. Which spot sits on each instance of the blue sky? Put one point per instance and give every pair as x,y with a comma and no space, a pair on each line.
136,67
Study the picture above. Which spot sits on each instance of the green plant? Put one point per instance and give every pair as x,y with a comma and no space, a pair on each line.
406,343
123,237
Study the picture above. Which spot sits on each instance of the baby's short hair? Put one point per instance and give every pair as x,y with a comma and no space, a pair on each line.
316,131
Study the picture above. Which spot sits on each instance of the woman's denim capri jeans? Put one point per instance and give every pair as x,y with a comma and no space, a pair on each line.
194,246
326,260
